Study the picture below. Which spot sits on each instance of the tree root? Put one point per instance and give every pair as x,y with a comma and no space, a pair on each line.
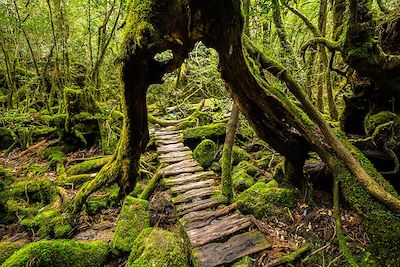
289,258
339,232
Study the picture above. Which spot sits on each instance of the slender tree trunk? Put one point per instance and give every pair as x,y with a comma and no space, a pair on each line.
226,177
55,45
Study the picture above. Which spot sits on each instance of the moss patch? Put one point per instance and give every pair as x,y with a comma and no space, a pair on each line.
158,247
59,253
241,180
134,217
248,167
204,153
238,155
88,166
263,199
211,131
6,250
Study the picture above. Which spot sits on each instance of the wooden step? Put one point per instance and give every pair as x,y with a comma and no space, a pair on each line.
172,148
169,136
238,246
219,230
162,133
175,154
175,159
195,195
186,208
202,218
196,185
186,166
185,178
168,142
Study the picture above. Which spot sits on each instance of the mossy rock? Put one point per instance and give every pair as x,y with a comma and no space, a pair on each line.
264,199
238,155
215,166
204,153
88,166
134,217
241,180
248,167
372,121
210,131
39,190
48,224
59,253
6,250
158,247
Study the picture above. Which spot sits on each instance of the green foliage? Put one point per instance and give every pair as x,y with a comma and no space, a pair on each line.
204,153
158,247
265,199
134,217
59,253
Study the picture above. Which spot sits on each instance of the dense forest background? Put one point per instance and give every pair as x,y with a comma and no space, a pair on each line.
61,104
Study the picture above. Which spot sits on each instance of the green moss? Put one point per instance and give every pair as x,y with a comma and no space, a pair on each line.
248,167
6,250
59,253
139,188
265,199
238,155
264,162
40,190
211,131
134,217
241,180
204,153
6,138
372,121
48,224
158,247
102,199
215,166
244,262
88,166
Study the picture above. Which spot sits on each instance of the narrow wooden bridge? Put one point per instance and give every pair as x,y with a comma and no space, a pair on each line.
219,233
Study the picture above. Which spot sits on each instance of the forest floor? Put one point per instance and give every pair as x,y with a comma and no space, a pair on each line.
309,222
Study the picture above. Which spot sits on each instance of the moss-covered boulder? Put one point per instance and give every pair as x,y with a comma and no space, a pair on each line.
248,167
134,217
158,247
48,224
372,121
59,253
210,131
263,199
215,166
238,155
36,190
241,180
204,153
6,250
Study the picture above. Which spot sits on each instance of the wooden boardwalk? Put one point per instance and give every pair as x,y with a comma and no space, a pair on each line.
218,233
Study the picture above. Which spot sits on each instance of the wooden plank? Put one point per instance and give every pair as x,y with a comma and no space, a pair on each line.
221,229
187,177
182,170
175,160
202,218
175,154
168,142
165,132
169,136
196,185
194,194
238,246
186,208
165,150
